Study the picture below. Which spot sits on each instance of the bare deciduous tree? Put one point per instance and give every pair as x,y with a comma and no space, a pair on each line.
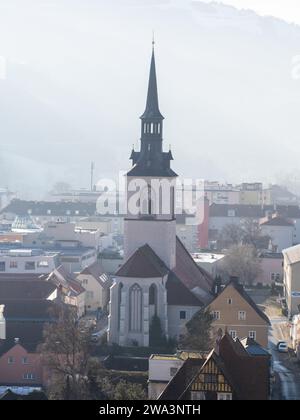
241,261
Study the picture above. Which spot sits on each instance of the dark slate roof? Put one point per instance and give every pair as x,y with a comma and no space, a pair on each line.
179,294
253,211
22,310
178,384
271,255
143,263
152,107
25,289
57,208
277,221
253,348
25,319
11,396
189,272
187,275
7,345
141,169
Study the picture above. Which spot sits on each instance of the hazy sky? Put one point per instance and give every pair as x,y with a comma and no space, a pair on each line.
288,10
73,83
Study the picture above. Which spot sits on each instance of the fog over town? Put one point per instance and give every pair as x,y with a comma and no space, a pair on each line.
149,203
230,93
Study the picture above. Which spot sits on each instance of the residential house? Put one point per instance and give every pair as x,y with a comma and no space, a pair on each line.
281,231
162,368
234,370
20,365
71,291
97,285
235,312
271,264
221,215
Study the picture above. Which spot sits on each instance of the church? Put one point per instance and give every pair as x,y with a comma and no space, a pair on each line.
158,277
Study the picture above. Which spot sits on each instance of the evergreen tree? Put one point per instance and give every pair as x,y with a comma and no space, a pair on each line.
198,335
156,334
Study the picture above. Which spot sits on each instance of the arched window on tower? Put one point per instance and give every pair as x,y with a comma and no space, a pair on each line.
147,201
135,308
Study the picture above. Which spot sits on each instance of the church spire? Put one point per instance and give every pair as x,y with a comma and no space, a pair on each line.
151,160
152,107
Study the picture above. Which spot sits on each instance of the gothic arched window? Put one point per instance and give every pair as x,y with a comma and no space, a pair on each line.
135,308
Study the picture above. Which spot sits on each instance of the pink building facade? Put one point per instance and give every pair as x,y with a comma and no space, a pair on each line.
20,367
271,268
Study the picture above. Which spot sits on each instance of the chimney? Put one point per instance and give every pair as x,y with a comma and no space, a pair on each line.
2,324
17,340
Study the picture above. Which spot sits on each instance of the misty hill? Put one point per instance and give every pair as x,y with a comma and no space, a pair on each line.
76,76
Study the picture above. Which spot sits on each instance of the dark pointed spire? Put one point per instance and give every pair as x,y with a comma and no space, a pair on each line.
151,160
152,108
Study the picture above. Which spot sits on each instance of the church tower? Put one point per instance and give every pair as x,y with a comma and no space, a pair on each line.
151,186
139,291
158,277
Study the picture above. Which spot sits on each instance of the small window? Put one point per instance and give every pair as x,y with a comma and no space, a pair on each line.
29,265
48,211
210,378
229,301
25,361
43,264
197,396
242,315
233,334
252,334
13,264
2,265
11,360
182,315
216,315
173,371
29,376
223,396
231,213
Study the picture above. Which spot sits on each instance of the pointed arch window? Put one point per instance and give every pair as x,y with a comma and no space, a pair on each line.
135,308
